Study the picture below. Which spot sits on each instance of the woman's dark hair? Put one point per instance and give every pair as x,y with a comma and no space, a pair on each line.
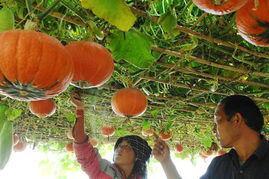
246,107
142,153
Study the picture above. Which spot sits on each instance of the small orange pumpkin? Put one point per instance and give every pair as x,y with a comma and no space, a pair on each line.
69,147
33,65
165,135
147,132
42,108
219,7
20,146
107,131
205,153
93,64
252,22
129,102
179,148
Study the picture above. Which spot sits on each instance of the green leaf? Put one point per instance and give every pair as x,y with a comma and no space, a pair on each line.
134,47
5,143
13,114
169,124
266,106
3,109
145,124
168,21
154,113
206,141
121,132
71,117
115,12
6,19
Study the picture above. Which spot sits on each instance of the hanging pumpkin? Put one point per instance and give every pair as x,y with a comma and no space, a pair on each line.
165,135
20,146
252,22
178,148
205,153
33,65
69,147
147,132
219,7
107,131
42,108
129,102
93,64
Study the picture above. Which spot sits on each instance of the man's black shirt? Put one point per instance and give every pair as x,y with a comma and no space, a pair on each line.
227,166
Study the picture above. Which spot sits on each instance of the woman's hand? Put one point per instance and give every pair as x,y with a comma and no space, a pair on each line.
76,100
78,131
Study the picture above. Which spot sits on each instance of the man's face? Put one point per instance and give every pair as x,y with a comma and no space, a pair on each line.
226,131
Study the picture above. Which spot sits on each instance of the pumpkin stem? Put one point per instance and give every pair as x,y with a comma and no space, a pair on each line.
23,93
128,120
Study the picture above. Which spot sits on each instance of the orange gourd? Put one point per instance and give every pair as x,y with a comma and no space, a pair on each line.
165,135
219,7
129,102
252,22
147,132
33,65
93,64
178,148
107,131
69,147
42,108
20,146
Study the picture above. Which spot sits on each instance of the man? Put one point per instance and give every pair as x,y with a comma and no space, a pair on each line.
239,123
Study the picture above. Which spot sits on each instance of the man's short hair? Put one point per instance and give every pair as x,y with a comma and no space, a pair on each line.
246,107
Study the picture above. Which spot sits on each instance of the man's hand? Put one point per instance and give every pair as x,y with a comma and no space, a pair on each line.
161,151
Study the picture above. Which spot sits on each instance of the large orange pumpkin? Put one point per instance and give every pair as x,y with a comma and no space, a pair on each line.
42,108
252,22
33,65
129,102
219,7
92,62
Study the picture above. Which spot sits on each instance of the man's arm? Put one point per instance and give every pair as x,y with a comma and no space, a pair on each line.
161,153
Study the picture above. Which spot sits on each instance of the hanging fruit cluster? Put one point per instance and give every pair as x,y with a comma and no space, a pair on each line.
252,17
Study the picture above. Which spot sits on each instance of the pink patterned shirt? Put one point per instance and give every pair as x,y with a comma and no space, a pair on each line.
93,165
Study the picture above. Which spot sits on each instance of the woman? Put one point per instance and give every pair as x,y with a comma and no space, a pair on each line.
130,152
